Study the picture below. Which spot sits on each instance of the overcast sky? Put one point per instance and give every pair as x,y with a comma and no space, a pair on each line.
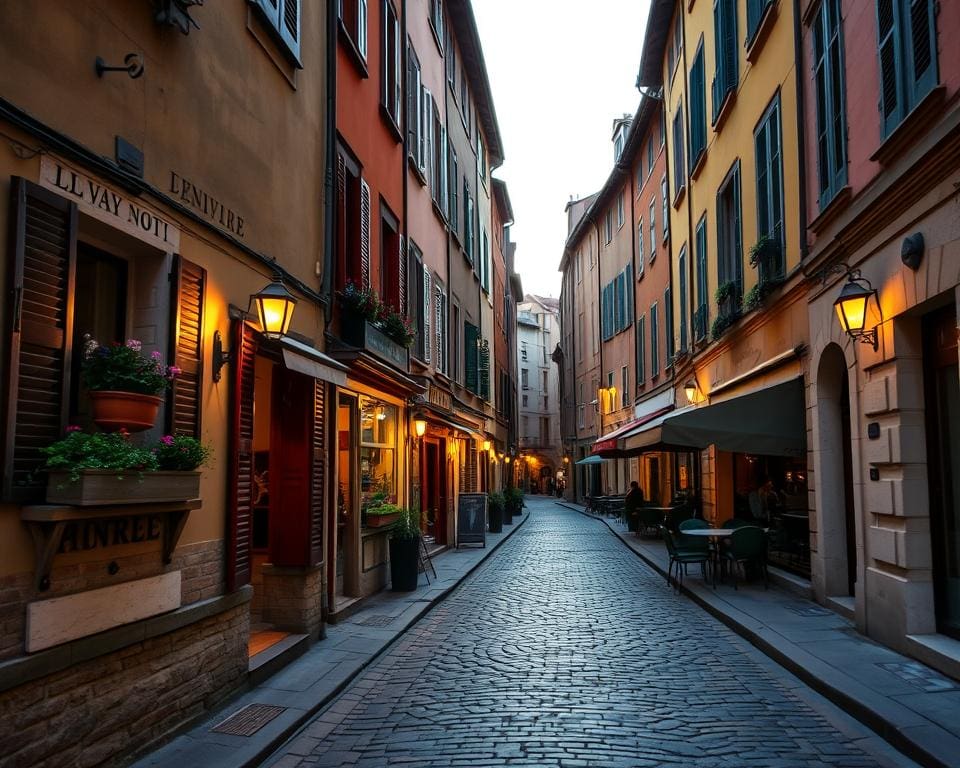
561,71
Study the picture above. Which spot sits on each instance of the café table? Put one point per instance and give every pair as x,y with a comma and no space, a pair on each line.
715,534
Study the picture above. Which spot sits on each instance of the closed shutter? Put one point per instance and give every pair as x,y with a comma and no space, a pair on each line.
341,221
240,478
628,288
289,25
183,405
471,337
44,228
318,473
364,233
483,368
731,53
426,315
426,139
922,44
402,277
440,332
754,12
413,114
889,51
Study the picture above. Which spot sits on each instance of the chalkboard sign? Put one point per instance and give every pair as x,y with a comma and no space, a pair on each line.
472,519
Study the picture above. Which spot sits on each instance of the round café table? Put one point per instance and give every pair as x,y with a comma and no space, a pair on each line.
715,534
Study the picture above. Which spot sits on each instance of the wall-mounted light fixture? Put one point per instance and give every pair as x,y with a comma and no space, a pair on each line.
486,446
132,65
692,390
419,424
857,303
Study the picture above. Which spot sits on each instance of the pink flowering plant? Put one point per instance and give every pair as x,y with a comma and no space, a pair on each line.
124,368
180,453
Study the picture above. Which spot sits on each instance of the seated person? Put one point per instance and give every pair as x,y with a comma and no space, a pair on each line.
634,497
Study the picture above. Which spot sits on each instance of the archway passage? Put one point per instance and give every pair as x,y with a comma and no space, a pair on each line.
838,531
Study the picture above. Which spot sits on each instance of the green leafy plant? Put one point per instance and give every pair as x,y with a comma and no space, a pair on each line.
513,497
754,298
722,323
398,327
496,502
180,453
383,510
407,525
725,291
114,450
765,249
124,368
361,300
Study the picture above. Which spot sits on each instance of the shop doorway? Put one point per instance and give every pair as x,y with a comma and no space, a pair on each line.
341,582
433,498
838,538
942,400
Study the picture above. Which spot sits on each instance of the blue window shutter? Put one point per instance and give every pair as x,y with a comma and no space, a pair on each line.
698,114
683,299
921,42
628,283
737,233
891,96
754,12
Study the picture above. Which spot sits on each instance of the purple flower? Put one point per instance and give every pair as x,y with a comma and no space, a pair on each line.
135,345
156,354
74,428
167,439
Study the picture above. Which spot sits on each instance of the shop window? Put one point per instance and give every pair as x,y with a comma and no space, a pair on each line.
378,443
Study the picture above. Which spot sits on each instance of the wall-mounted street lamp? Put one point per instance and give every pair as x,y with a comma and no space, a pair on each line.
857,303
692,390
275,305
419,424
486,446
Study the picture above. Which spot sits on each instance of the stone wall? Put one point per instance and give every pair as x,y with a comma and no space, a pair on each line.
293,599
101,711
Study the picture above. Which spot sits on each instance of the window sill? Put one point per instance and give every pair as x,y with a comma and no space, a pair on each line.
417,170
726,107
698,165
833,209
677,199
911,127
391,124
755,44
439,211
436,36
353,53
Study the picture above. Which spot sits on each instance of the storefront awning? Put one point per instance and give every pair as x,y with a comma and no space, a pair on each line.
768,421
305,359
609,444
594,459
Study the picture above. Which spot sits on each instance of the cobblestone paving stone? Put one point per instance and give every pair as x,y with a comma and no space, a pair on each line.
565,650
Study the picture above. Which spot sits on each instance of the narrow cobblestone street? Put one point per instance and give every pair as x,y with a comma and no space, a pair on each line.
564,649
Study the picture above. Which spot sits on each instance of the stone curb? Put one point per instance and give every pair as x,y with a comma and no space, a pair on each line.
871,716
277,741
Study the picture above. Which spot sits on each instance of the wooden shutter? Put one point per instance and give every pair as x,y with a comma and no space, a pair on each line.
471,355
440,331
318,474
364,233
483,368
922,46
401,277
184,401
289,25
425,314
412,114
341,221
44,229
889,51
243,345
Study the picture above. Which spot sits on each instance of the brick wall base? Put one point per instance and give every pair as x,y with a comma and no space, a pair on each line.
293,599
100,712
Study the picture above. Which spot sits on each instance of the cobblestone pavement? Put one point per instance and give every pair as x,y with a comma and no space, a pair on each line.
564,649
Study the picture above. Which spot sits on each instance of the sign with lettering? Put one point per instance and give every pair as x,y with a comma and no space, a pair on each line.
92,534
203,202
472,519
105,204
439,397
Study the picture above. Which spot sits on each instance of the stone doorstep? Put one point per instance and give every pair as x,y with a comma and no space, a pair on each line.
195,747
927,744
272,659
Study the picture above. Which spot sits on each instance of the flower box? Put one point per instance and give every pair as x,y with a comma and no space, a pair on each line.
381,521
365,335
105,486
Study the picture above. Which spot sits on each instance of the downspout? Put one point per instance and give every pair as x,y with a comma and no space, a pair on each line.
329,186
690,224
801,133
596,228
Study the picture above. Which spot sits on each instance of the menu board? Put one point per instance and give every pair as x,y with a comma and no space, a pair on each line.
472,519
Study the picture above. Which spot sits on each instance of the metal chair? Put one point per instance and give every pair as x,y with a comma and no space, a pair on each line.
748,544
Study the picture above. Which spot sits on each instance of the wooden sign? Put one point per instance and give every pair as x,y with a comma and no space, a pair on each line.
472,519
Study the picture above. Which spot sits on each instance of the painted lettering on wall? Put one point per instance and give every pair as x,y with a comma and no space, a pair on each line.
99,201
91,534
212,209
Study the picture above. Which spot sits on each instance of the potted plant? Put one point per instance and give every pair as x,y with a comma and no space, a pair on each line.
495,506
398,327
125,386
109,468
404,551
382,515
361,302
514,503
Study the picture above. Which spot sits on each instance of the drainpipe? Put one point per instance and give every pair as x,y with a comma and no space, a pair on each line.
801,133
329,186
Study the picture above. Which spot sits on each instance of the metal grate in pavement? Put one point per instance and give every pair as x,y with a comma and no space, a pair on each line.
806,609
374,620
919,676
249,720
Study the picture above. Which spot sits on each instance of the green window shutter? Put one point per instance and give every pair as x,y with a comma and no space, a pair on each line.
755,9
483,366
628,287
641,349
682,269
471,355
668,322
831,112
921,42
698,110
737,233
891,96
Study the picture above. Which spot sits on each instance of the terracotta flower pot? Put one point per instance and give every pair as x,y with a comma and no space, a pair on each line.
115,410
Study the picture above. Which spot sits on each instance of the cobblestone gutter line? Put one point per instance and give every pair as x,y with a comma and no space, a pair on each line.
836,692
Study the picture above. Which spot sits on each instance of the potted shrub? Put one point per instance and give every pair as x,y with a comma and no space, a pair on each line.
514,504
360,302
124,385
398,327
382,515
404,551
495,505
109,468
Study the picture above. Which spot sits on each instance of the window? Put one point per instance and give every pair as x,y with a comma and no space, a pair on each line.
907,46
526,401
729,248
624,387
639,173
419,299
468,223
544,375
456,354
440,326
580,336
831,111
391,85
415,113
668,324
755,10
523,351
581,409
620,210
438,158
664,198
453,185
378,443
544,430
679,169
608,227
650,154
578,266
700,316
436,19
353,215
641,237
481,159
524,378
770,183
653,229
663,126
451,61
676,45
472,358
682,269
546,402
726,52
654,343
641,349
284,17
698,109
353,16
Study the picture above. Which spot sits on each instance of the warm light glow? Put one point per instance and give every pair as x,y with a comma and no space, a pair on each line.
566,459
486,445
420,426
852,313
275,308
690,389
506,459
857,317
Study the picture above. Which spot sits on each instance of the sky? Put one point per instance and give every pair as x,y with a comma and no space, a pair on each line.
560,72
